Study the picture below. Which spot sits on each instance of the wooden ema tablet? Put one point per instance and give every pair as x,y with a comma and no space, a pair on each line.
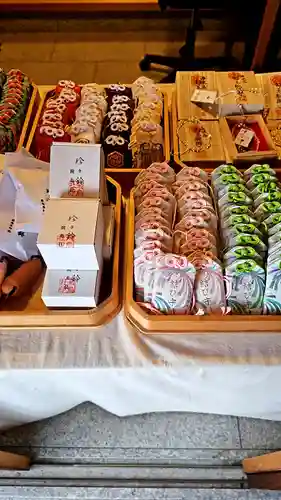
272,93
185,87
182,324
263,86
45,89
182,134
227,91
274,127
186,136
29,311
249,156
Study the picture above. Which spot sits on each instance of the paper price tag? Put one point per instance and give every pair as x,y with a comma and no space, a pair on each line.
204,96
244,137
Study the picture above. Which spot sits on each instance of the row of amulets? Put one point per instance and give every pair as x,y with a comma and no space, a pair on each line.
154,262
15,91
56,117
196,237
117,127
175,214
147,132
89,115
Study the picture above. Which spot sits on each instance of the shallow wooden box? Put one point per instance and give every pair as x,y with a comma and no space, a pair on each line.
45,89
33,106
232,152
30,311
182,324
185,88
213,156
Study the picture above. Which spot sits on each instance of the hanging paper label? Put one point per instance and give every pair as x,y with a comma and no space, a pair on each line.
244,137
204,96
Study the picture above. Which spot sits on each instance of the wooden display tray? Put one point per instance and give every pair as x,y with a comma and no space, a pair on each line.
44,90
248,156
34,103
212,157
30,312
182,324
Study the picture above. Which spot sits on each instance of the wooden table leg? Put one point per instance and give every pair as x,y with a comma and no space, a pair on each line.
13,461
266,29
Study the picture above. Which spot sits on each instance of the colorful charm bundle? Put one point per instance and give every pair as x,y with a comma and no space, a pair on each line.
15,92
176,268
117,127
250,214
89,115
56,117
147,131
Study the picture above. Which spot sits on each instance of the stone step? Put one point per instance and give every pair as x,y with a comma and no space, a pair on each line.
51,493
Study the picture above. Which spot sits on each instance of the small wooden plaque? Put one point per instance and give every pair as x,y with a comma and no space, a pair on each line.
262,80
272,126
185,87
186,139
229,102
271,92
232,152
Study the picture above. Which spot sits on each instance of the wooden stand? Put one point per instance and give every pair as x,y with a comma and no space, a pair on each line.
264,471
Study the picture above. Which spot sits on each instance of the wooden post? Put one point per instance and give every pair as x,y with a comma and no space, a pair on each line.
266,29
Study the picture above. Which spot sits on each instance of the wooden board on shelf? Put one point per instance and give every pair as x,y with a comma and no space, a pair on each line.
253,101
185,87
77,5
270,94
184,136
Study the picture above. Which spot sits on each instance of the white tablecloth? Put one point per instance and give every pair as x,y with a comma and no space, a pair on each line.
43,373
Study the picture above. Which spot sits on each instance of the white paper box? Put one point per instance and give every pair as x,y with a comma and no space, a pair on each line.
77,171
72,234
71,288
